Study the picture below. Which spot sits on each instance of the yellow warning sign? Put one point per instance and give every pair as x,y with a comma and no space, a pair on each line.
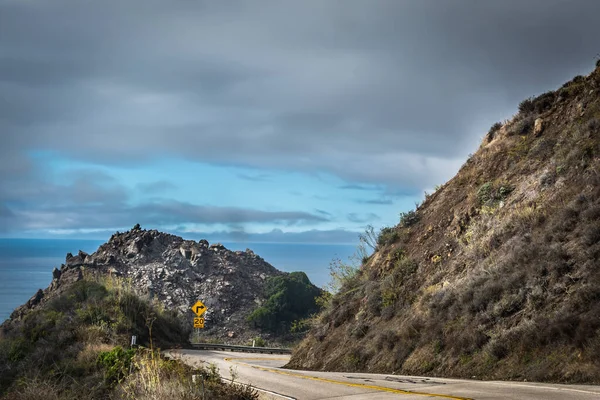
199,322
199,308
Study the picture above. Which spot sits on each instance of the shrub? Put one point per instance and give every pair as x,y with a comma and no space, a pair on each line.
489,194
526,106
387,235
116,363
358,330
492,132
573,87
387,340
593,125
289,298
408,219
155,377
388,312
542,149
544,102
61,342
524,126
484,192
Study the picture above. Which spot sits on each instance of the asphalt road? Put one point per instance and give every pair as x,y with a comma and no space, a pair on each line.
264,372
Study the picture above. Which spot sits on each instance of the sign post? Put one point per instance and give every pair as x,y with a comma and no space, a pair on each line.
199,309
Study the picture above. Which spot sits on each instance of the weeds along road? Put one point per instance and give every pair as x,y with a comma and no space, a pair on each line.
264,372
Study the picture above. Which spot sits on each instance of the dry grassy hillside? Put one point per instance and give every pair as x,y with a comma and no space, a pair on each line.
497,274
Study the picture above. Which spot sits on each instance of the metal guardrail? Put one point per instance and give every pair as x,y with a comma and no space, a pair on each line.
246,349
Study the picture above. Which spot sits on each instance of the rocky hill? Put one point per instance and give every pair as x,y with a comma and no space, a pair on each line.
176,272
495,275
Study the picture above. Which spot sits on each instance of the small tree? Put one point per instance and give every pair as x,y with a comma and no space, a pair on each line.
368,240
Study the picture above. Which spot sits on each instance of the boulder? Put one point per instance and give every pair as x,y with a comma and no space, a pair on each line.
187,253
75,261
538,127
35,299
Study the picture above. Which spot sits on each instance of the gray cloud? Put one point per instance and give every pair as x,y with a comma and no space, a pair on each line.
381,201
254,178
335,236
173,212
323,212
101,216
77,188
389,93
155,187
6,218
362,218
354,186
92,199
5,212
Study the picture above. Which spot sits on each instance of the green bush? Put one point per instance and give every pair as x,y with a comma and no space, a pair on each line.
526,106
544,102
409,218
387,235
115,363
259,342
290,298
489,194
484,192
492,132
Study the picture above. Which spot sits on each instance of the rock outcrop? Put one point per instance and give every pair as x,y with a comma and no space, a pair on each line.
177,273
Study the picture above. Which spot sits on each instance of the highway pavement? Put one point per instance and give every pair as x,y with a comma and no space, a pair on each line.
264,372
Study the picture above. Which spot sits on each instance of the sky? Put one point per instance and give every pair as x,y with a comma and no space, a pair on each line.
268,120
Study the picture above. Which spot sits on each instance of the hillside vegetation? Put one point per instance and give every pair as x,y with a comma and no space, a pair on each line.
290,300
496,275
75,346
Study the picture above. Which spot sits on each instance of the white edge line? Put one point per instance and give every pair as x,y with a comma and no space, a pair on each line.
260,390
539,386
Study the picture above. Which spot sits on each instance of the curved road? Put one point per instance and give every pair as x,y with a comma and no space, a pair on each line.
264,372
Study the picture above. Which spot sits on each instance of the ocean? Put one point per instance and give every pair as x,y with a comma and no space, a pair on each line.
26,264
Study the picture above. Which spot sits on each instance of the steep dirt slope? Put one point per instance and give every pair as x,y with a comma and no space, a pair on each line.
497,274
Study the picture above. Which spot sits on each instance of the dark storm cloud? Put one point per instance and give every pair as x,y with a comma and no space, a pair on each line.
388,92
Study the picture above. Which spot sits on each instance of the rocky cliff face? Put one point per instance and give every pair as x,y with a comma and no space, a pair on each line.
496,274
177,273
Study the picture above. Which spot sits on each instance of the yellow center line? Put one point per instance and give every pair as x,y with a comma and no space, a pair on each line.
326,380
